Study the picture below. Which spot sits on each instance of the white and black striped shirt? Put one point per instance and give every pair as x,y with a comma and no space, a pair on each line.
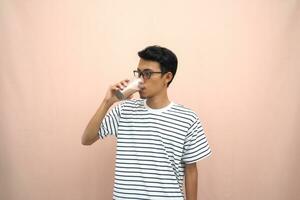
153,146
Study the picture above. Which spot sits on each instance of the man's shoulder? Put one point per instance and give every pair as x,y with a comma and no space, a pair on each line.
183,110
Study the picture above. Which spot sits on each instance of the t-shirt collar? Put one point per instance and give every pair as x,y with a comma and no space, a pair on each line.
158,110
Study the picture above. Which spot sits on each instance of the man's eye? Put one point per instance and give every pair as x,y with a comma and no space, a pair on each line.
147,74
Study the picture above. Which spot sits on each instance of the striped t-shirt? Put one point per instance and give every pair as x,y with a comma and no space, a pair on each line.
153,146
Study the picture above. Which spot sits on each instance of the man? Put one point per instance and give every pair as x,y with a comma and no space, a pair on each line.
158,141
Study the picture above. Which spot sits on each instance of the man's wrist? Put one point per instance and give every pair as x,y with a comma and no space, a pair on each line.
108,102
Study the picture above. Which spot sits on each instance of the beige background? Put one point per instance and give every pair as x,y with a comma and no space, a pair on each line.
238,69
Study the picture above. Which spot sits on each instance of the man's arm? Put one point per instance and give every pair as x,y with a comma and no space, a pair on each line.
90,134
191,181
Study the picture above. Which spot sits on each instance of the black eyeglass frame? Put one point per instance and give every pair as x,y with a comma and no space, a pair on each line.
146,74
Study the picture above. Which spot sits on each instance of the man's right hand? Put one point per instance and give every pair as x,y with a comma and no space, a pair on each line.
110,94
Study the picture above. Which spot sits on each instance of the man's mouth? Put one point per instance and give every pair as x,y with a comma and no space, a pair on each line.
142,91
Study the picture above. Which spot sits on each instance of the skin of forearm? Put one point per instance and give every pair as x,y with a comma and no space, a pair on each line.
90,134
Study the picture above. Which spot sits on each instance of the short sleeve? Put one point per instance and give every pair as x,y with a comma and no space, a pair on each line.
196,146
110,123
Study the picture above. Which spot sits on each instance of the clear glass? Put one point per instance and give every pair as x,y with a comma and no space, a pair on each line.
132,87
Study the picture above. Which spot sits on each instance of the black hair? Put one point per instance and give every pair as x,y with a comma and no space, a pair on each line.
165,57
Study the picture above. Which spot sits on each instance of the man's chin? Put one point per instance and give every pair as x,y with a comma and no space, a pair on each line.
142,96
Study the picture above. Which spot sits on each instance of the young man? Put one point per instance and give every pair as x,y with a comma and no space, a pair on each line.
158,141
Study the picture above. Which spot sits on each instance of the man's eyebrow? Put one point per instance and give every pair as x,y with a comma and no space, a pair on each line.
147,69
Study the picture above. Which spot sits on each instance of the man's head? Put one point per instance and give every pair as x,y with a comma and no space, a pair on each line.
158,66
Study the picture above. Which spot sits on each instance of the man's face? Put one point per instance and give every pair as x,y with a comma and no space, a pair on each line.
154,85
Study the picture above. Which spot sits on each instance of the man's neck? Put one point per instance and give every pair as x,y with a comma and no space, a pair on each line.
159,101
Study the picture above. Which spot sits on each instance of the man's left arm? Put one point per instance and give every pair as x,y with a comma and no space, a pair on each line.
191,181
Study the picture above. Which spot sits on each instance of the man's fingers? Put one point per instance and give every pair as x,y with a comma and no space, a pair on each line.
121,85
114,88
125,82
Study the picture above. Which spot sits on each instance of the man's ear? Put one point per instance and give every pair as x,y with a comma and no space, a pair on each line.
169,77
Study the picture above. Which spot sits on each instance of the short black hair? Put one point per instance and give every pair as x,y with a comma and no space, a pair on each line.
165,57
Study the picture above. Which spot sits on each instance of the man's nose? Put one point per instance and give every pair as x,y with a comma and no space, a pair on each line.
142,77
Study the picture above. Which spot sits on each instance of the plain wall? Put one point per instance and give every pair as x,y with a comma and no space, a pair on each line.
238,69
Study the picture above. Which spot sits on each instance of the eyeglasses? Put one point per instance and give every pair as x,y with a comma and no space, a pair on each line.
146,74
